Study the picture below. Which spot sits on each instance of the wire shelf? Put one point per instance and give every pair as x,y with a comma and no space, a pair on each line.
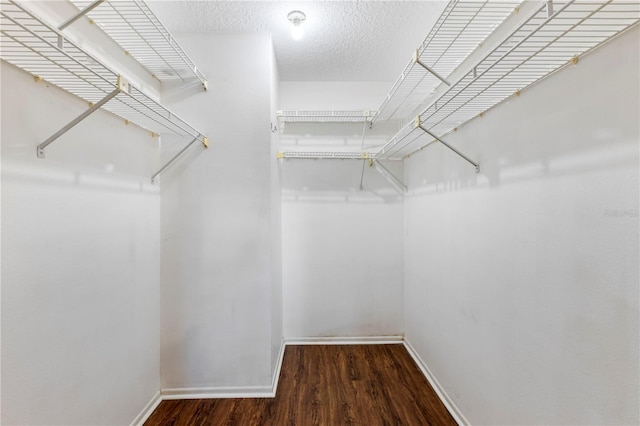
461,27
319,155
298,116
541,45
31,44
134,26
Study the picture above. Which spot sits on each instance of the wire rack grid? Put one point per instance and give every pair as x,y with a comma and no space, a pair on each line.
319,155
29,43
541,45
301,116
135,27
460,29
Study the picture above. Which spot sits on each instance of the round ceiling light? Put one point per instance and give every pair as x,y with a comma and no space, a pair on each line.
296,18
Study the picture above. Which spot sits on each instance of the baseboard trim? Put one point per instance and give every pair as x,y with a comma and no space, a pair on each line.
147,410
231,391
217,392
442,394
365,340
270,391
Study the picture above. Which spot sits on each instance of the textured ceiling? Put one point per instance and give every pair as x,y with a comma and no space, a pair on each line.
343,41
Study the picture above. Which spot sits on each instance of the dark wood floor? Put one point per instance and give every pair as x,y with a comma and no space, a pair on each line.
326,385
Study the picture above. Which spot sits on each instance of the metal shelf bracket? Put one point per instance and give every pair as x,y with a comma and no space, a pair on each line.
393,179
205,144
80,14
418,124
416,60
122,86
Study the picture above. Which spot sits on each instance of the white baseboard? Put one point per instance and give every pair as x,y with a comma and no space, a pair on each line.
448,402
147,410
217,392
366,340
270,391
230,391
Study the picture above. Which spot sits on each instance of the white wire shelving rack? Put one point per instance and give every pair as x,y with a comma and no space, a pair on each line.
135,27
326,155
460,29
301,116
554,36
31,44
366,156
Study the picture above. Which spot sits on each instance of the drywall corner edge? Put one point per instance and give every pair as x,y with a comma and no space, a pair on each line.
230,391
276,372
147,410
442,394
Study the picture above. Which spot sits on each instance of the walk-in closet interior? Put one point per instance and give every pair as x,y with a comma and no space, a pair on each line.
193,191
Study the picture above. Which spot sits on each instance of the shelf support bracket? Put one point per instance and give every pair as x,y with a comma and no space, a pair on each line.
122,86
397,183
416,60
365,156
549,8
362,175
80,14
419,124
175,157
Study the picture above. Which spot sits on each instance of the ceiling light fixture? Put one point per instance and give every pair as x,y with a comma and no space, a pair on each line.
297,18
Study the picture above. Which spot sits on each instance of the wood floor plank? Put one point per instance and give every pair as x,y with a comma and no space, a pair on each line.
326,385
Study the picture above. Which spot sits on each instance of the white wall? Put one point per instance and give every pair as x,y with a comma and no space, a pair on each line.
342,246
80,262
217,259
521,288
332,95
